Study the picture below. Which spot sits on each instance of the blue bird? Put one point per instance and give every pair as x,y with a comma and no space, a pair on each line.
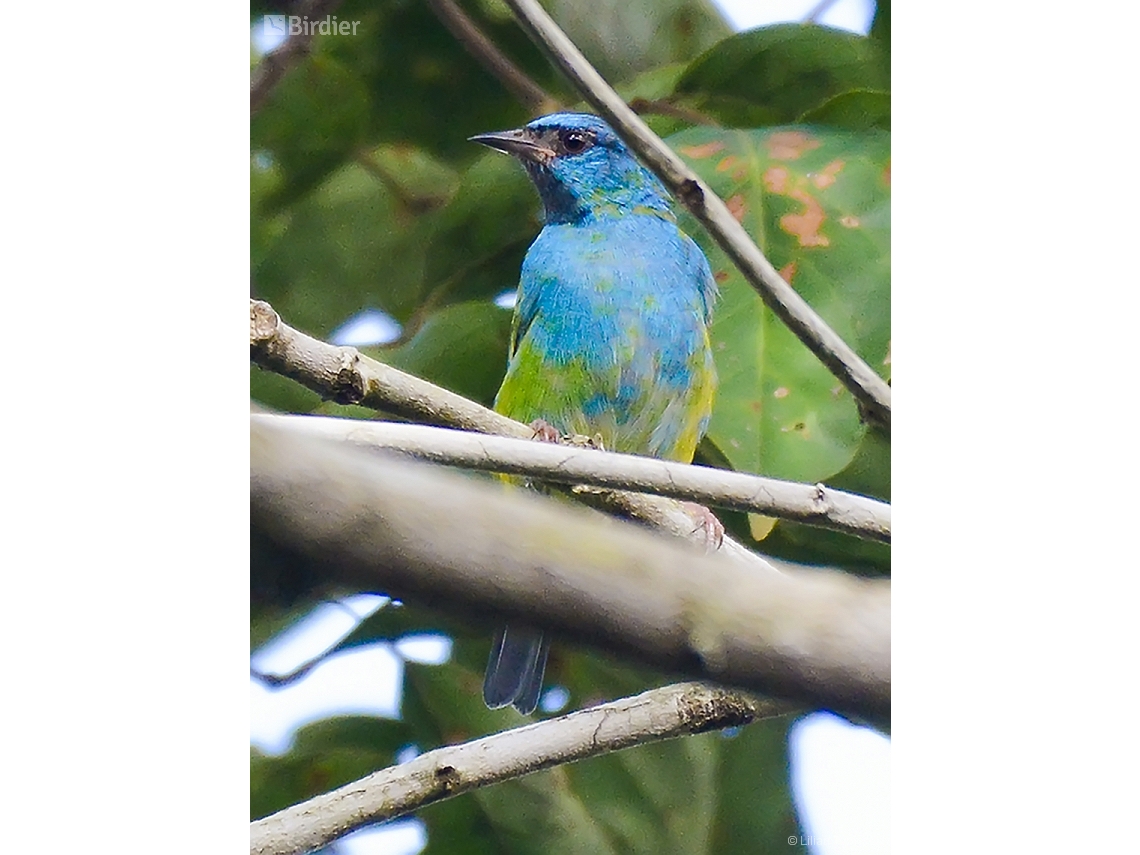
610,332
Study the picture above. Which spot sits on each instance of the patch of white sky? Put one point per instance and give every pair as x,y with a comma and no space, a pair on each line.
853,15
367,327
840,772
362,680
841,785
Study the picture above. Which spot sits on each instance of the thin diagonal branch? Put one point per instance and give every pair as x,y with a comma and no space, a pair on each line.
275,63
870,391
811,504
366,521
277,681
664,107
487,54
666,713
345,375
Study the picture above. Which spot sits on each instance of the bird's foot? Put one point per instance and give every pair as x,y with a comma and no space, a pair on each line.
579,440
544,431
706,521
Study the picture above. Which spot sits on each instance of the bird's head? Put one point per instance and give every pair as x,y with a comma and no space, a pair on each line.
581,168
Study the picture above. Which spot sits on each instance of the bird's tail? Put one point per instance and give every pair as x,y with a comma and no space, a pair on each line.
514,671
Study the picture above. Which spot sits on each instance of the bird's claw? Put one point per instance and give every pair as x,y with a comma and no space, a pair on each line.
707,522
544,431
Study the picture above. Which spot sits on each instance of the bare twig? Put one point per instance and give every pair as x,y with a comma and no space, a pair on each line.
814,505
373,522
665,713
870,391
345,375
664,107
275,63
277,681
471,38
410,202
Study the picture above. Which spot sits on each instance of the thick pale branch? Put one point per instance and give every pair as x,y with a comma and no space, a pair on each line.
870,390
665,713
347,376
452,543
815,505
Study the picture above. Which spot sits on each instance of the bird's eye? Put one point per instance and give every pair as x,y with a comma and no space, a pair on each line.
575,142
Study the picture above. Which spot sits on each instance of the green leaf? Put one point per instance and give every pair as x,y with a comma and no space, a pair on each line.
869,473
857,110
462,348
651,85
772,75
820,547
881,25
817,202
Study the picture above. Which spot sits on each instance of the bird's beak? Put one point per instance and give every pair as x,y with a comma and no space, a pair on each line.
520,143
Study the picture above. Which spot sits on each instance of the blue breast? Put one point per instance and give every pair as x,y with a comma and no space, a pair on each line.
632,291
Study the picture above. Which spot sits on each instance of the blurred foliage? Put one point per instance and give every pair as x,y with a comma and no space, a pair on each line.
365,194
732,791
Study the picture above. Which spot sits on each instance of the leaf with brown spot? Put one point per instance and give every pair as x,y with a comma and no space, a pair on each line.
737,207
789,145
803,431
826,176
776,179
727,163
805,224
699,151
